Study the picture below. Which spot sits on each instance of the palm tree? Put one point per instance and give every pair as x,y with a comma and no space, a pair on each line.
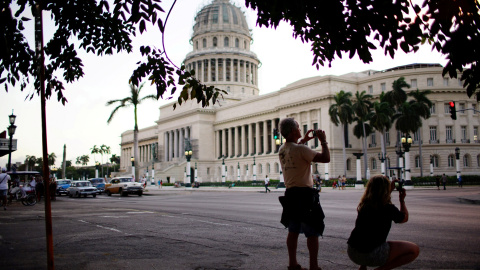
382,119
30,162
362,107
115,160
421,105
341,112
104,150
133,100
78,161
94,150
51,159
397,96
85,159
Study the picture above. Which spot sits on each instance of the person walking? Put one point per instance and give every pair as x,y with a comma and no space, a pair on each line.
367,244
267,182
4,179
444,181
302,212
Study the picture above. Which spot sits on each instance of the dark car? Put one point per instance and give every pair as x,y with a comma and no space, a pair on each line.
62,185
99,183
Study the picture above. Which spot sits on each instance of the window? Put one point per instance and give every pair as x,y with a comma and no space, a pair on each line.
429,81
463,132
432,109
413,83
196,44
204,41
244,44
225,42
277,168
374,164
449,133
387,137
214,41
417,161
466,161
446,107
260,168
374,139
461,106
475,133
451,161
474,107
268,167
228,62
225,13
460,82
220,69
316,142
228,89
235,70
433,133
445,81
370,89
215,15
383,87
212,69
435,161
205,70
237,43
349,164
208,171
416,136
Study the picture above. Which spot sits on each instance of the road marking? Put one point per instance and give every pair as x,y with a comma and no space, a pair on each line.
103,227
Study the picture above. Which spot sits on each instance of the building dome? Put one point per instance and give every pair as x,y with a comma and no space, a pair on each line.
220,15
221,53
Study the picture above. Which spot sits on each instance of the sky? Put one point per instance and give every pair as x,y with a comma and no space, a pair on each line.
82,122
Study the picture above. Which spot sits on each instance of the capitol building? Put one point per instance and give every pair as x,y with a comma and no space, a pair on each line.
238,131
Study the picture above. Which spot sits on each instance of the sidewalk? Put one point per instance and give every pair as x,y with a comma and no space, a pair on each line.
154,190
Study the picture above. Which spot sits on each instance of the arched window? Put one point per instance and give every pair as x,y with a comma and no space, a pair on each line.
435,161
196,44
226,42
374,163
466,161
451,161
349,164
260,168
204,43
237,43
214,41
277,167
417,161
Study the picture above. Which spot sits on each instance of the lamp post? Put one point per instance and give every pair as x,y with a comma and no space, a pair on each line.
132,159
196,172
154,157
382,158
457,157
188,155
238,171
96,169
399,152
254,170
11,131
281,184
54,172
407,142
223,170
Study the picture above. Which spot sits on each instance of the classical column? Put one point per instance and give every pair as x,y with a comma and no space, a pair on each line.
224,142
219,146
244,140
238,144
250,139
175,149
257,138
230,142
265,136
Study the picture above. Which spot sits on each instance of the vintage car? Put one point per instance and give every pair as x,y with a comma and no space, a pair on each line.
62,185
79,188
123,186
99,183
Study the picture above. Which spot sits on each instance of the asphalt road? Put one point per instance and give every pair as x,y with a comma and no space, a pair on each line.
198,229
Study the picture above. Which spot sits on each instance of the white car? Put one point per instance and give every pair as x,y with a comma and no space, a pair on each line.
81,188
123,186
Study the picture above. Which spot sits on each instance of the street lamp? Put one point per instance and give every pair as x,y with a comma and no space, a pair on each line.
96,169
281,184
431,165
188,155
457,157
54,172
132,159
382,158
254,170
11,131
407,142
358,182
223,169
398,150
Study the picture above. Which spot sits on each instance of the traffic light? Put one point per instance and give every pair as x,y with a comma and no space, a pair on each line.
453,111
275,133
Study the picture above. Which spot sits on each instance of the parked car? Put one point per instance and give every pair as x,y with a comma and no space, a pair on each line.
123,186
62,185
99,183
79,188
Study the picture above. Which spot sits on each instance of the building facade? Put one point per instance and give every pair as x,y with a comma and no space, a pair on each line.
238,131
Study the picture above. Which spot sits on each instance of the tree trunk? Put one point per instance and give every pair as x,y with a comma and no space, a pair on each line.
135,151
365,154
420,151
344,152
64,163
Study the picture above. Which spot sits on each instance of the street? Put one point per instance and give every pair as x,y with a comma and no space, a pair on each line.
225,229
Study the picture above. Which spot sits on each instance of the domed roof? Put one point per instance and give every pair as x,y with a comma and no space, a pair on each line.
222,16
